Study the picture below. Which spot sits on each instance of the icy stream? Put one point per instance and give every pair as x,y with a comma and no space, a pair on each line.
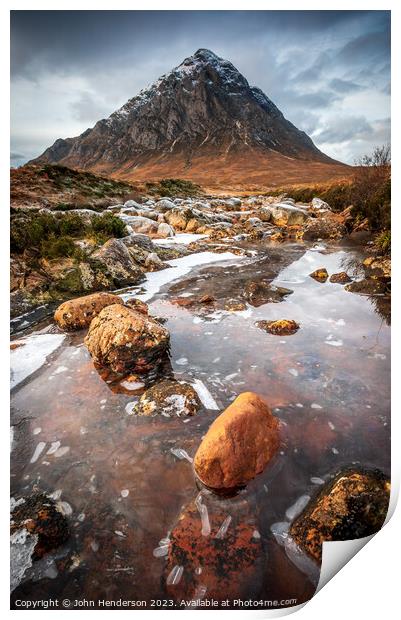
125,480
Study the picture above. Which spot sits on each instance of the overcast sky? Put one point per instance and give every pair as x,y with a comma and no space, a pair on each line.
327,71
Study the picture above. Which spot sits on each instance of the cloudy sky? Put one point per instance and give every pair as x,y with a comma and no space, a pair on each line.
327,71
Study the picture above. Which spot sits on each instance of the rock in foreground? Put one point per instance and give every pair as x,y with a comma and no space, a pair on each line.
169,398
282,327
40,516
353,505
123,340
214,554
78,313
238,445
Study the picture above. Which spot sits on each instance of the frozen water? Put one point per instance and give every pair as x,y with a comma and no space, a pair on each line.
224,527
28,358
22,545
181,454
175,575
38,451
280,531
297,508
179,267
205,396
161,551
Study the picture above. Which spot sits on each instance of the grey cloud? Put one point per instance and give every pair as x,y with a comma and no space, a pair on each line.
343,129
345,86
372,46
88,109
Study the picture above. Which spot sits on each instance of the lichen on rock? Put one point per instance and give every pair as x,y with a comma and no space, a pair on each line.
78,313
126,340
169,398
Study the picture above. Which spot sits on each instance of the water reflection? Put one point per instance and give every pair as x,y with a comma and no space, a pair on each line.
328,384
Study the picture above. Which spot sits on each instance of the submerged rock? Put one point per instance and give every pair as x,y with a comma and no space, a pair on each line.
353,505
260,292
320,275
234,305
41,517
213,553
124,339
78,313
169,398
340,278
239,444
282,327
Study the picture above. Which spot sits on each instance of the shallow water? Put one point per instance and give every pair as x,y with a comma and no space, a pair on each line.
328,384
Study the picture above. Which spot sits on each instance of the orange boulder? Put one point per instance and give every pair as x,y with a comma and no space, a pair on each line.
239,444
126,340
78,313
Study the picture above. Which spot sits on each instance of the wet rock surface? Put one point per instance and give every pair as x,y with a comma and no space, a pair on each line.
40,516
212,554
282,327
124,339
340,278
78,313
258,293
169,398
238,445
353,505
320,275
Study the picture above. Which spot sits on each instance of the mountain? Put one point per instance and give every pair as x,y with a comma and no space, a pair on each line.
203,122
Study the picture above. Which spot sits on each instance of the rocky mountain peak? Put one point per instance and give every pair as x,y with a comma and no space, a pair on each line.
202,110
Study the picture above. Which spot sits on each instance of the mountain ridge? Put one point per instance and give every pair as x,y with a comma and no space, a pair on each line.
201,121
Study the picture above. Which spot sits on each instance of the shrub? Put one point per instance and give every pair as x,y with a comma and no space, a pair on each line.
58,248
72,224
29,232
383,242
108,225
174,187
371,189
52,236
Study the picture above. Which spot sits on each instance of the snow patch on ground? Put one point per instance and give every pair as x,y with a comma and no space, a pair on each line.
183,238
26,359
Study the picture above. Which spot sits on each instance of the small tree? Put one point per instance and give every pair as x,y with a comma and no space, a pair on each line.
371,188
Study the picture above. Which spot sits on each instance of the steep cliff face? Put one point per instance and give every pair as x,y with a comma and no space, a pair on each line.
199,121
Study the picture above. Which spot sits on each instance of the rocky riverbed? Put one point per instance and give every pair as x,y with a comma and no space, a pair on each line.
116,458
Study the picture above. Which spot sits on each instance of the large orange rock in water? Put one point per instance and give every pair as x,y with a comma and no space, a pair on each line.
78,313
239,444
124,339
